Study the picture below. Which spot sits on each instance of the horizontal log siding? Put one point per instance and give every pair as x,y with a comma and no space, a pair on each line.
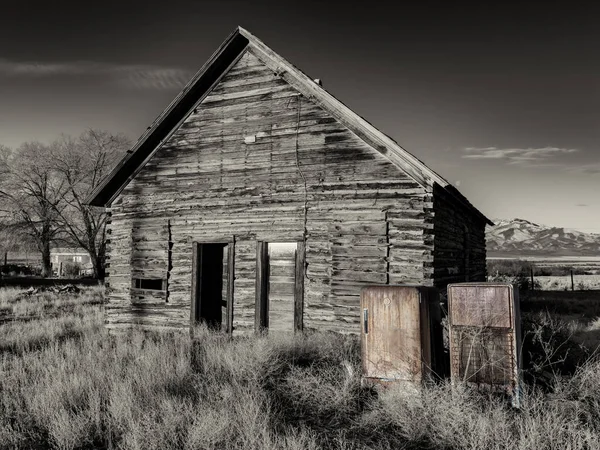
451,240
410,236
364,215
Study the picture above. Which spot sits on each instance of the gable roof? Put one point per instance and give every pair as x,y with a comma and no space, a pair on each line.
207,78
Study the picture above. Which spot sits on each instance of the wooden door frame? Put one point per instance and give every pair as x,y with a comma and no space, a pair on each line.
261,316
299,287
196,285
261,309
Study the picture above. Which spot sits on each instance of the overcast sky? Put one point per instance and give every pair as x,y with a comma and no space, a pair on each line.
502,100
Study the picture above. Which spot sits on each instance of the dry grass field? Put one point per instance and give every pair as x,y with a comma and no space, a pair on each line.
66,384
563,283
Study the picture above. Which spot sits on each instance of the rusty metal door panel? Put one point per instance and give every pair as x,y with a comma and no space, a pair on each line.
396,333
481,305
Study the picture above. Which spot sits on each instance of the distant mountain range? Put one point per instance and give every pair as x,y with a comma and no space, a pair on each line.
518,237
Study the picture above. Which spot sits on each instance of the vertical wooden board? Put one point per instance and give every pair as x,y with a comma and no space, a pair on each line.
244,287
195,283
392,344
261,319
169,260
230,285
225,286
299,287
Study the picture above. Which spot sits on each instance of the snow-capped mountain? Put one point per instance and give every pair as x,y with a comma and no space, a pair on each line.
519,237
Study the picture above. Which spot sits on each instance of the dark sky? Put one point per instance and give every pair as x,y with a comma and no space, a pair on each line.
503,100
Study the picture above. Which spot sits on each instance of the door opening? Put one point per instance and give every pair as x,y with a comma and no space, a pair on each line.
280,286
212,285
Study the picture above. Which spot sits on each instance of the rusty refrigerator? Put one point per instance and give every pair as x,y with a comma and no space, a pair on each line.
485,336
401,339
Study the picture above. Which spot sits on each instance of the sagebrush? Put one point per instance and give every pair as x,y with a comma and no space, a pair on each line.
66,383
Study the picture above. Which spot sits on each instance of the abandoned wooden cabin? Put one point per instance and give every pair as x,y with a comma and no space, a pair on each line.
254,154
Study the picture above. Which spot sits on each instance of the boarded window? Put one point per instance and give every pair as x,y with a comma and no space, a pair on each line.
150,261
149,284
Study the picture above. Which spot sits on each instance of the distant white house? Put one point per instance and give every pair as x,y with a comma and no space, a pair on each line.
61,256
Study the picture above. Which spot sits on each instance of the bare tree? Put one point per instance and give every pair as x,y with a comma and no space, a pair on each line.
6,238
7,242
12,239
82,164
31,196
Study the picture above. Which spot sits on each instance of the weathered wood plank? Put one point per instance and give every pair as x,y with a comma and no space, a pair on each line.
211,185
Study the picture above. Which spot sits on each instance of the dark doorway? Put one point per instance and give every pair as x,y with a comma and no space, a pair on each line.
211,285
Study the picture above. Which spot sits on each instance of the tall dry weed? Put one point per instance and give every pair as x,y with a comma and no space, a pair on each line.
66,383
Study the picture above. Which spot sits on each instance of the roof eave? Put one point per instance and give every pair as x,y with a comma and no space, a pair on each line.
456,194
105,193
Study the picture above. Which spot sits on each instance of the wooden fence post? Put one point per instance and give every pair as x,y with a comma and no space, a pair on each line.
572,283
531,271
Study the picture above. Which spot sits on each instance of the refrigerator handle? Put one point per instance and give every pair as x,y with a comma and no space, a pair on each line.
366,320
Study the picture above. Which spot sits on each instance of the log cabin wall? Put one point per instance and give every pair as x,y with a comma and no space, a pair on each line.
256,161
459,242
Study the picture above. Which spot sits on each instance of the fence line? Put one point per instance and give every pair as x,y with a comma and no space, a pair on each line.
529,276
